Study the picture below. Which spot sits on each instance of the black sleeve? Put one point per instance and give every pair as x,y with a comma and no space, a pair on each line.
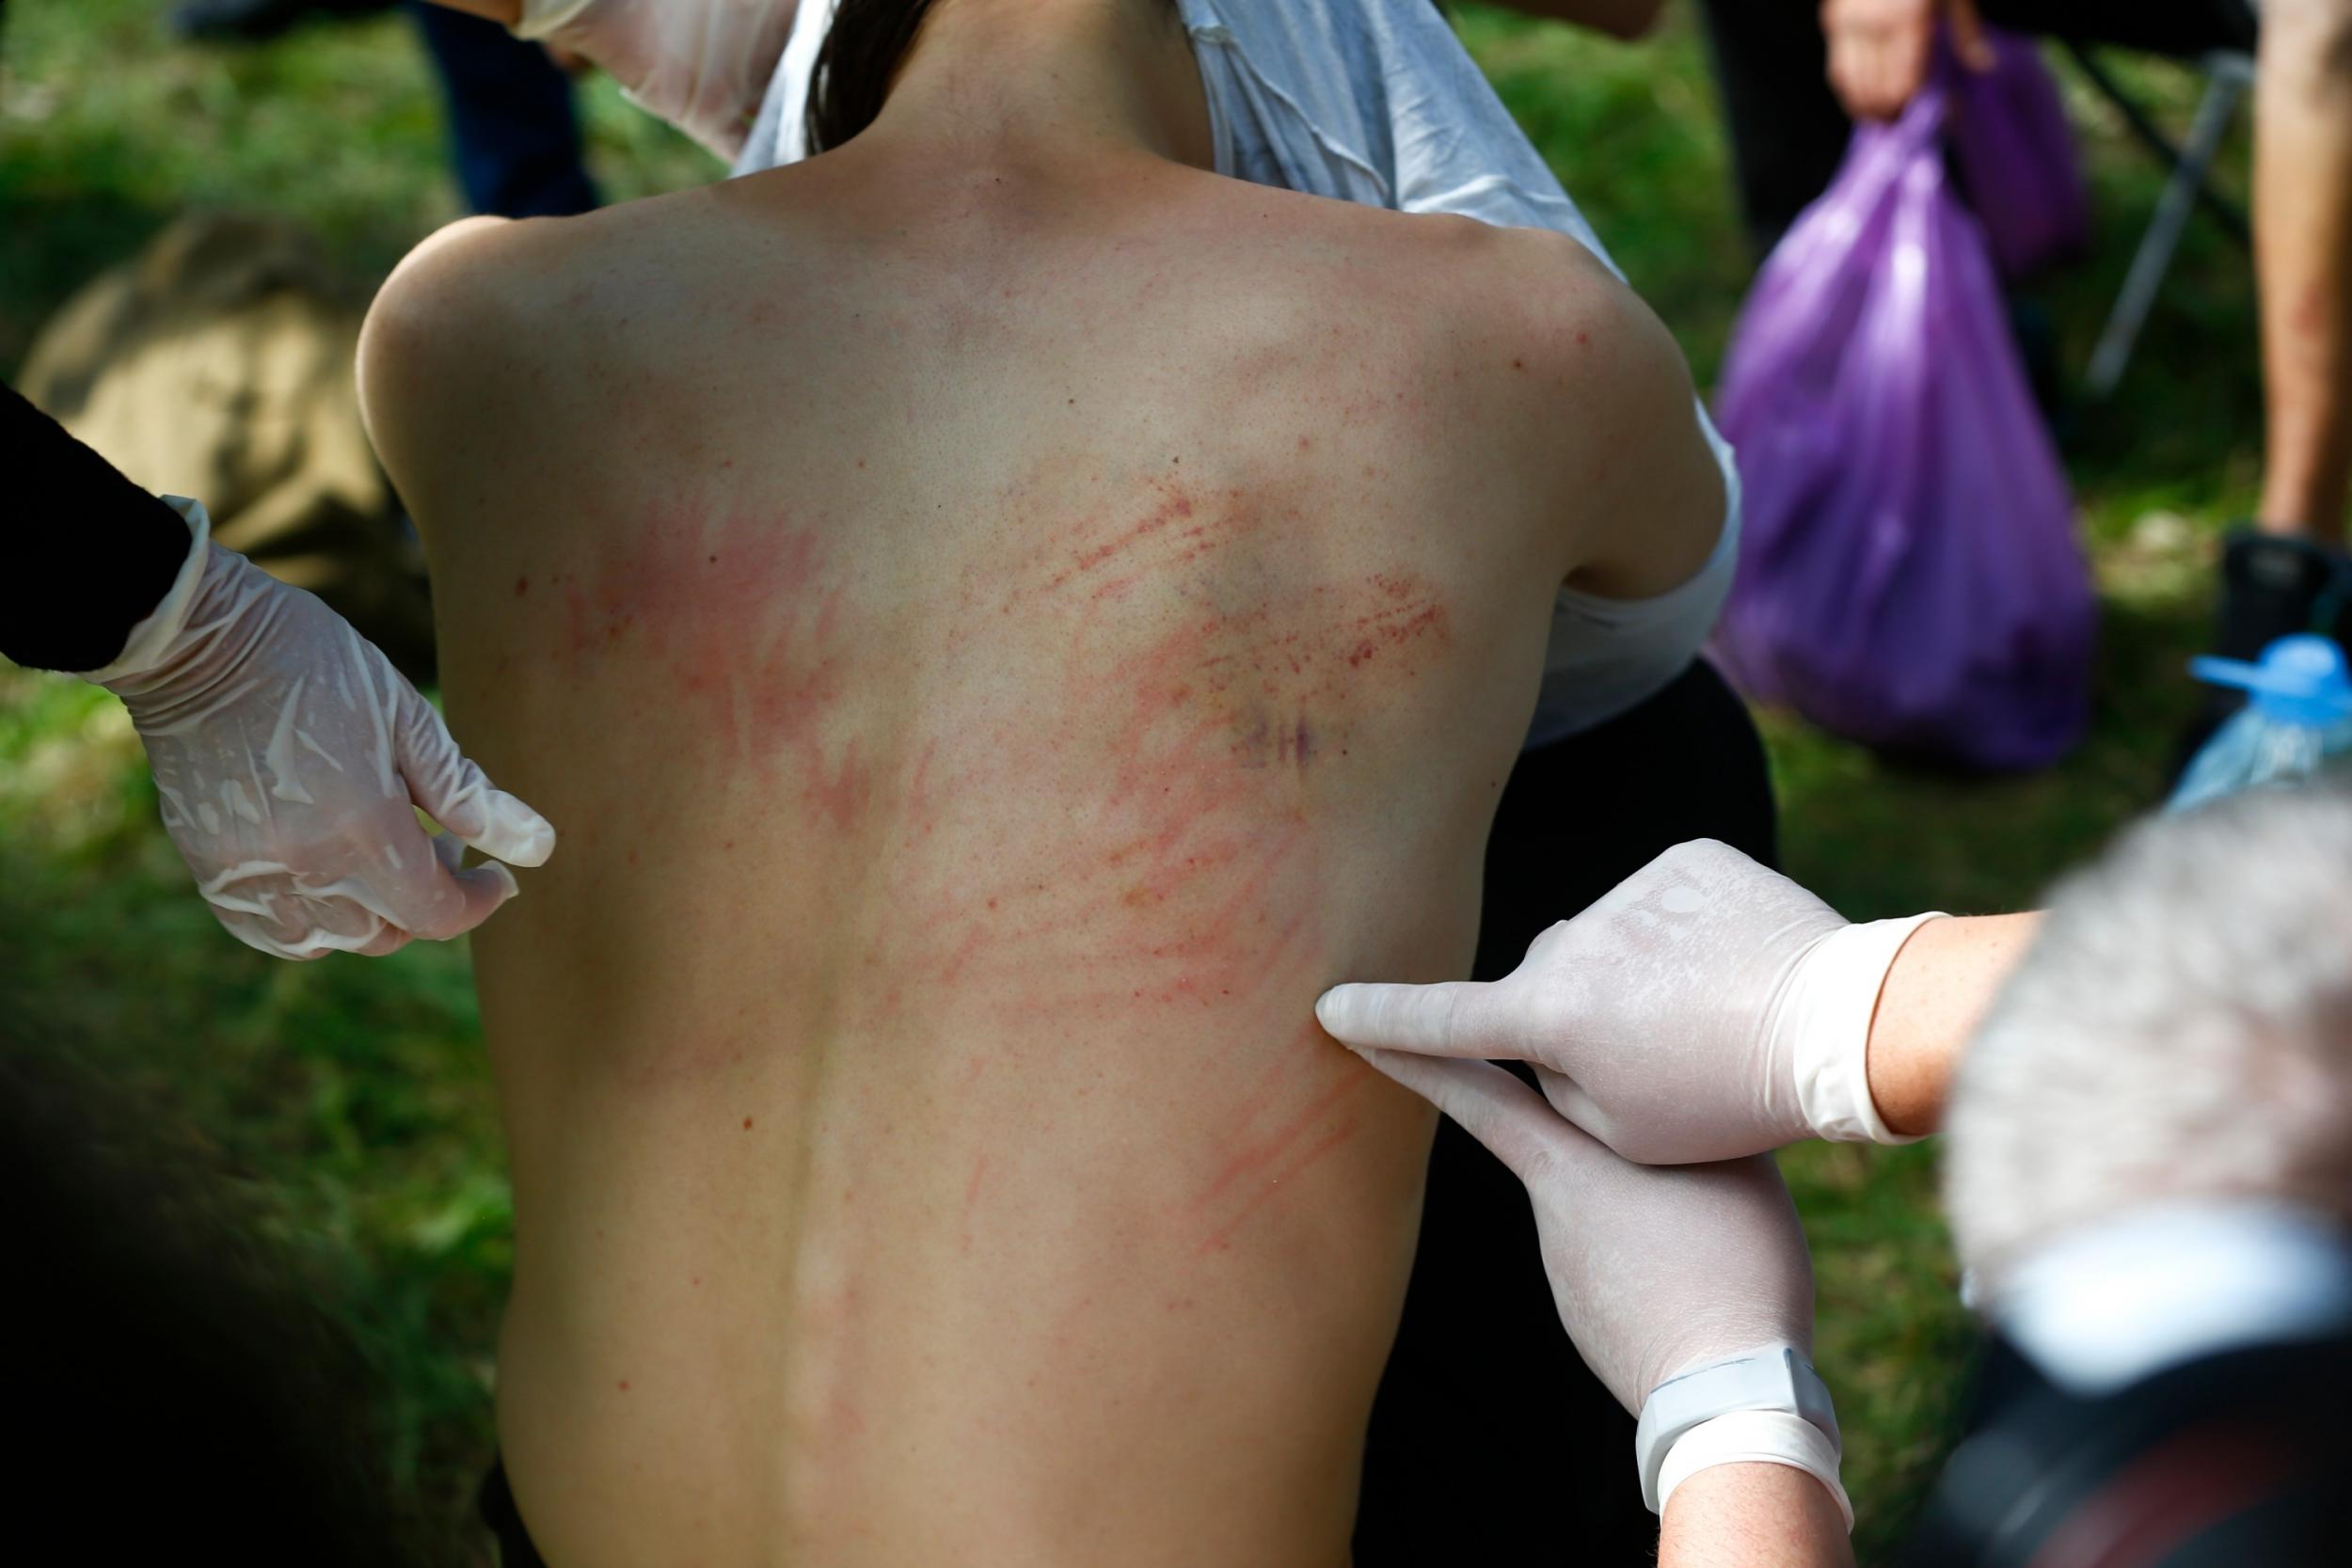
93,555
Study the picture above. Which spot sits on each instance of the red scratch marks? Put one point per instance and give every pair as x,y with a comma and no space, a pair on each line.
1406,614
1174,857
1265,1150
922,798
972,1196
1222,1237
839,795
746,618
1172,508
1277,1139
1112,548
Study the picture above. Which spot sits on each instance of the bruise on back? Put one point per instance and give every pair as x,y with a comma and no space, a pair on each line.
1142,851
1167,769
1102,815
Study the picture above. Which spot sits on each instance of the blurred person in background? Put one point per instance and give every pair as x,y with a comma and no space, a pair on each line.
1796,73
513,123
2149,1175
217,362
2149,1163
513,130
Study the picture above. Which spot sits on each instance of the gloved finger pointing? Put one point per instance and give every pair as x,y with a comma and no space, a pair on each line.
464,899
1568,1099
392,939
1501,1112
449,787
513,831
1453,1018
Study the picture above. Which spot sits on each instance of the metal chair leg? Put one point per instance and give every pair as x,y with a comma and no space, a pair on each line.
2230,75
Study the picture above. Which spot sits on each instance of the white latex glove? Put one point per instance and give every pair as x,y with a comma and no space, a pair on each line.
288,750
1656,1270
1704,1009
702,64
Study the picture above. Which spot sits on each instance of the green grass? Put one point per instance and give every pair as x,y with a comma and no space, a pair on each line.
356,1095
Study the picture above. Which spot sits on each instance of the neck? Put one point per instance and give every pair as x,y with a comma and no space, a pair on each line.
1048,81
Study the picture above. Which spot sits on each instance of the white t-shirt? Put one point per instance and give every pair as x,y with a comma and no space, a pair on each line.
1376,101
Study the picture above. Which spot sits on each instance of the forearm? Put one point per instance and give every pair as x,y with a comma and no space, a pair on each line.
2303,260
1753,1516
1625,19
93,552
1933,998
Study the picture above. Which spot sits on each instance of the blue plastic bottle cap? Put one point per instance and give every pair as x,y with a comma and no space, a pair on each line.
2300,680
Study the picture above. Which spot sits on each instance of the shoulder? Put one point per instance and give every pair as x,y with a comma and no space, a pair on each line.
448,275
431,331
1592,400
465,335
1551,308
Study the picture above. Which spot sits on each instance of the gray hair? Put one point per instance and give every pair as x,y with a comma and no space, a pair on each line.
2181,1029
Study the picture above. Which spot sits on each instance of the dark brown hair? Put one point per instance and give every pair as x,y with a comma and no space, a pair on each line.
863,51
867,44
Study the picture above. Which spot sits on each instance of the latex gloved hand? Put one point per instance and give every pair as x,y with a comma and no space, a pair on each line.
1660,1272
288,750
1704,1009
702,64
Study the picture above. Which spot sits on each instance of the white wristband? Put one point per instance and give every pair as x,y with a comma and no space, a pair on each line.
542,17
1833,994
1754,1437
155,633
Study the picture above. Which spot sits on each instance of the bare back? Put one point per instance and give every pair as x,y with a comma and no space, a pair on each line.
993,655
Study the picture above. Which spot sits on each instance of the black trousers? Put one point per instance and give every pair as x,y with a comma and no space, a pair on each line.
1788,131
513,129
1491,1442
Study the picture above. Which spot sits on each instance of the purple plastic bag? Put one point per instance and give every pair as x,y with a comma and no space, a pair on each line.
2016,158
1908,571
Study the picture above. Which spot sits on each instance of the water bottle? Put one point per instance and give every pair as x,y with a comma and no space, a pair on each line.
2296,720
